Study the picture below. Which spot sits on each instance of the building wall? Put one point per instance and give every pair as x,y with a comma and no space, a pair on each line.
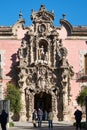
9,48
76,50
76,46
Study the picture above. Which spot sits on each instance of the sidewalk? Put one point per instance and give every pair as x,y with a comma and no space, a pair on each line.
56,126
29,126
44,123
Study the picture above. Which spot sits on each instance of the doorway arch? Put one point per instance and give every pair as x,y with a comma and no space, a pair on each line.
43,100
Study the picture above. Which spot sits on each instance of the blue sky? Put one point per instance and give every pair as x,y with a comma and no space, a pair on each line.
75,10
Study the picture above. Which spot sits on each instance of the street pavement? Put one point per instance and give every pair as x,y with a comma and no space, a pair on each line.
29,126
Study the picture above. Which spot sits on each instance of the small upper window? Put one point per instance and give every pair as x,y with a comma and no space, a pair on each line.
85,64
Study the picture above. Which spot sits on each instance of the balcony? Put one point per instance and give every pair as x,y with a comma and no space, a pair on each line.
81,76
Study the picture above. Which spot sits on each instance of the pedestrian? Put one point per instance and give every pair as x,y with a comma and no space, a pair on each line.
3,119
46,115
50,119
78,118
40,116
34,117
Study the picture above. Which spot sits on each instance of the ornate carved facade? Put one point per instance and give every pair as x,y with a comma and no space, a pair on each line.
44,71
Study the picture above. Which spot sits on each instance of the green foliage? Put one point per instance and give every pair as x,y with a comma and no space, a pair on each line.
81,99
11,124
14,95
83,124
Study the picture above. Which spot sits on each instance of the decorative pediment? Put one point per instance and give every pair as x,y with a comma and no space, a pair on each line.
42,15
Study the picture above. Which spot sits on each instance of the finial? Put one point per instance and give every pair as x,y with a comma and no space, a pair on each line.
42,7
64,16
32,10
20,15
52,11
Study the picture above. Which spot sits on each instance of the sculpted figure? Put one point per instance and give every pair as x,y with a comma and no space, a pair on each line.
41,53
24,43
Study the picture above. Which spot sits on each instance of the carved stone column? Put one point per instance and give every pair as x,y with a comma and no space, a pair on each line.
49,56
36,51
31,105
32,55
54,50
23,111
54,106
54,55
65,103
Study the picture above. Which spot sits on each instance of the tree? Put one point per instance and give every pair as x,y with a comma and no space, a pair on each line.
14,95
81,99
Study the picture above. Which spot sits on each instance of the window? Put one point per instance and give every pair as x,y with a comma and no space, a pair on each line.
0,57
85,64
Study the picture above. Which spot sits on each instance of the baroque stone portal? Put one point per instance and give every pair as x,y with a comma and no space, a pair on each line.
44,71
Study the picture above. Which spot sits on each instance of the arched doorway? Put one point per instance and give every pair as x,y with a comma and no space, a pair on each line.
43,100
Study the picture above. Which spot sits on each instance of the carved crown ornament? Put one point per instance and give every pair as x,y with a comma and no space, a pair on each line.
42,15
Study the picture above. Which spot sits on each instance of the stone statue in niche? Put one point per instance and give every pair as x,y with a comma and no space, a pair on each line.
43,83
29,79
43,71
64,75
41,53
29,76
46,56
42,28
64,61
22,76
51,79
20,53
24,43
62,53
62,50
42,77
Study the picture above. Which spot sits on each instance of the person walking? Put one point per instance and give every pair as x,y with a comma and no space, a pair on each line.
34,117
50,119
3,119
40,116
45,115
78,118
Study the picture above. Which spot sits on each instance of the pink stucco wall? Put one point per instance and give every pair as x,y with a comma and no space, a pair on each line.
74,47
9,47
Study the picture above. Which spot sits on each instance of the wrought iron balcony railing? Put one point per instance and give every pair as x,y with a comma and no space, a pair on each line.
81,75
